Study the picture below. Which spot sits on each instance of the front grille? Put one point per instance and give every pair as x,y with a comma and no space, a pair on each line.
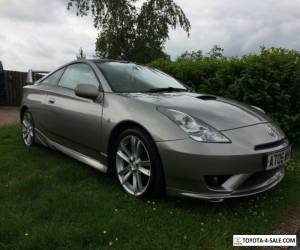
269,145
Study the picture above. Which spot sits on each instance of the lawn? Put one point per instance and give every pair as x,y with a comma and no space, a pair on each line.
49,201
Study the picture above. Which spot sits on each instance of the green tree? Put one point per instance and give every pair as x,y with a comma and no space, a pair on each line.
269,79
129,32
191,56
215,52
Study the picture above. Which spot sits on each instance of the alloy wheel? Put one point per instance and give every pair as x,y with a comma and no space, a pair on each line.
27,129
133,165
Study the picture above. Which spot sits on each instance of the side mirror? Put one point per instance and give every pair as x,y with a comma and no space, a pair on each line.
87,91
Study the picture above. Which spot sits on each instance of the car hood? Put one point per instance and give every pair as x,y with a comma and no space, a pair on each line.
221,113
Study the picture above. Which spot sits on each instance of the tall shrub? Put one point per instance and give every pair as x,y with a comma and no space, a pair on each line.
270,80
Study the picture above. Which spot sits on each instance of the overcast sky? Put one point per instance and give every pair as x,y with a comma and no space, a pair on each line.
42,34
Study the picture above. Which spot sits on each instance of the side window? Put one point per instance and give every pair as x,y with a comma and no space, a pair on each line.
53,78
78,73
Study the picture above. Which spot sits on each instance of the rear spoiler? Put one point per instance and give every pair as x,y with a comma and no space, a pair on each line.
34,75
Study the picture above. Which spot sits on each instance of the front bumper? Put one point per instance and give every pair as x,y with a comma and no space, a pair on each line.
240,168
246,189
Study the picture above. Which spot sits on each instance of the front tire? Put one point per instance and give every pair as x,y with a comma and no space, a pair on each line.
137,164
28,136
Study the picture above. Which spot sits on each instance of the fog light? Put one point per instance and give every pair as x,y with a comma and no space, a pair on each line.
215,180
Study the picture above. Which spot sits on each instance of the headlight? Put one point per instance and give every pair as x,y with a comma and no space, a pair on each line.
196,129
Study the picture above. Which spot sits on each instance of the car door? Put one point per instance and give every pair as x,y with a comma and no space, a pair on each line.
46,86
73,121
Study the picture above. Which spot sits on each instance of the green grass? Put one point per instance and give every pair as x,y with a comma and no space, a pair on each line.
49,201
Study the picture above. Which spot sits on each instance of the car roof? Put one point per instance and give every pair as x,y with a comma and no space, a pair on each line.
97,60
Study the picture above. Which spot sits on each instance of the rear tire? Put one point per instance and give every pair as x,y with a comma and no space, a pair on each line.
27,123
137,163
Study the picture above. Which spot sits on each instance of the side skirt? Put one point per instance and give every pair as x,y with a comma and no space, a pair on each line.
41,138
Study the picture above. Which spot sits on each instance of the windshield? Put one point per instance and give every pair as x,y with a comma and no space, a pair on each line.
130,77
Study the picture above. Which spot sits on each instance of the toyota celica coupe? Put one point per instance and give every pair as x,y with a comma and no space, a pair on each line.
155,134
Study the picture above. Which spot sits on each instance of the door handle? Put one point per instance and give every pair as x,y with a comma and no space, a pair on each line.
51,100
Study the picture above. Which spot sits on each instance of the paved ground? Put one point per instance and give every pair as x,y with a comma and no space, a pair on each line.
9,115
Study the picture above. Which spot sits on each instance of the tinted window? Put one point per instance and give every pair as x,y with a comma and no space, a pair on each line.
78,73
130,77
53,78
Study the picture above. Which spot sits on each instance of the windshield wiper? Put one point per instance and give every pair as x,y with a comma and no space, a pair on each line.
168,89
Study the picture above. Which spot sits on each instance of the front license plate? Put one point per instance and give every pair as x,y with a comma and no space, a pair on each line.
278,158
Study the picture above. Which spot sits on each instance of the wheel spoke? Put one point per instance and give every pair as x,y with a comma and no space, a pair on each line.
28,138
123,171
139,181
25,123
27,118
137,149
123,156
125,150
126,177
134,184
133,145
144,171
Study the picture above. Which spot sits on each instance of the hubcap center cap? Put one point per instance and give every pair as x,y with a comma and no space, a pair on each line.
133,166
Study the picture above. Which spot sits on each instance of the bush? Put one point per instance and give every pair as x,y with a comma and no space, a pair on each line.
270,80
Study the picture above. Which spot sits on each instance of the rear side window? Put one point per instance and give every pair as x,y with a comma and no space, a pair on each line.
53,78
78,73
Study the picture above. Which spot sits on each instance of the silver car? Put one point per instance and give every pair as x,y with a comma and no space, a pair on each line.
152,132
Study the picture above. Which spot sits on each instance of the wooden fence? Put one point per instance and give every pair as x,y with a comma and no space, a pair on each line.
13,84
13,87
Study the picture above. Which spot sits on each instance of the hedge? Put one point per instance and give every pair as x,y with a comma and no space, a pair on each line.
269,80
